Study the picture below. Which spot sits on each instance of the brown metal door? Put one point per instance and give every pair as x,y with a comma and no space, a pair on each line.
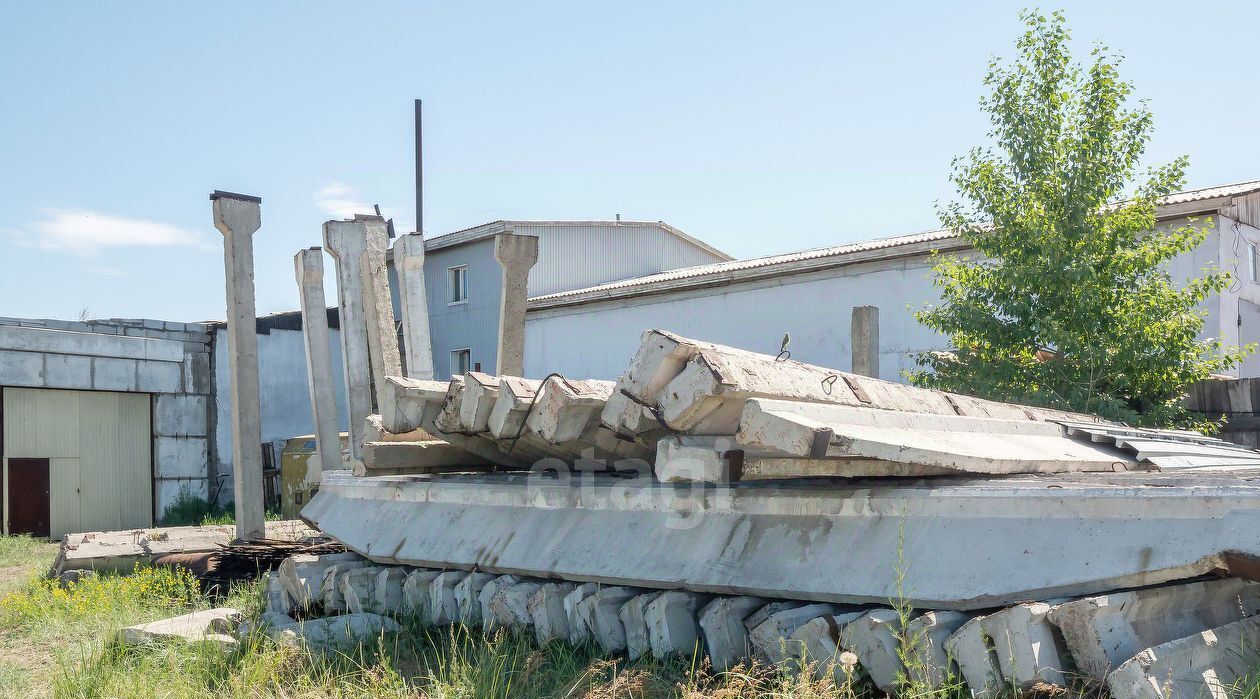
28,497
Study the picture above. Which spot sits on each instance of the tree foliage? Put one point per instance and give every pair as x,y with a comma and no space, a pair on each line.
1067,301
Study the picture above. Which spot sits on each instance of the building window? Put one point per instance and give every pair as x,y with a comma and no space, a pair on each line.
460,361
458,278
1251,261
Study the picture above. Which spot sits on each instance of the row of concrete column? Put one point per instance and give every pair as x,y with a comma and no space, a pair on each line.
369,345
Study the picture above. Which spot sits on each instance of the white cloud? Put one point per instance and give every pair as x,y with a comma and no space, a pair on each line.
341,200
83,232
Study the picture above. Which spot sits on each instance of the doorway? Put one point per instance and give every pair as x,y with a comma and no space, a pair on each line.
29,497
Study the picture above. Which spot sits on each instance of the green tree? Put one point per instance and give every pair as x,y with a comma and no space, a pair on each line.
1066,301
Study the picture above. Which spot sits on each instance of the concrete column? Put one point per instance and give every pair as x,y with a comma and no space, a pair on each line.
238,216
308,266
864,330
409,263
378,306
516,254
345,241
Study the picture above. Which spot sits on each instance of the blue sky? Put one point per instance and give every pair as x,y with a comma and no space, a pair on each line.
758,127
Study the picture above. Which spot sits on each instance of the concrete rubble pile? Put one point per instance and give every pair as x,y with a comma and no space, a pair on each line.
750,507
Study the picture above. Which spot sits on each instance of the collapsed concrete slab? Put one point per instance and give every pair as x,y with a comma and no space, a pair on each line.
1081,534
672,624
601,614
1206,664
1103,632
874,637
634,622
303,575
976,658
489,620
467,593
725,635
1029,648
415,594
769,637
443,607
120,551
206,626
932,665
546,609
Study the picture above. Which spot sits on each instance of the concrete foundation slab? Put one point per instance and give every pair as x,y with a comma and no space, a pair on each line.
725,633
1103,632
443,607
546,609
1206,664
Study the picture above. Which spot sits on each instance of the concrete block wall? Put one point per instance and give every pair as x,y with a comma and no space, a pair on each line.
168,360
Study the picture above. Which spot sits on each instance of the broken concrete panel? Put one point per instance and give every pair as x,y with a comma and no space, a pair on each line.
510,605
467,592
489,621
1029,649
410,404
275,598
601,614
1102,531
565,407
926,635
660,357
112,374
873,636
546,609
579,632
769,635
387,591
725,634
511,405
340,633
303,575
634,622
180,415
816,644
966,444
180,457
443,608
158,377
1206,664
685,458
21,369
1103,632
672,624
413,302
358,589
334,597
210,625
416,600
64,371
448,420
973,652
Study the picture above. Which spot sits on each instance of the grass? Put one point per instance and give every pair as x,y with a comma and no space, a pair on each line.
54,642
190,510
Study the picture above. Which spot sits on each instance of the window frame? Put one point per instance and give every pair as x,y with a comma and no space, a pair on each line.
454,366
1252,271
454,272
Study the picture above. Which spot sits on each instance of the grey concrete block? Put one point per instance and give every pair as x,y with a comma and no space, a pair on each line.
634,621
21,369
91,344
211,625
197,373
510,606
180,415
725,634
977,659
673,628
388,590
926,635
180,457
873,637
1210,663
158,377
153,324
769,636
443,608
109,374
303,575
488,591
67,371
546,608
467,592
600,614
579,632
1029,648
415,594
358,588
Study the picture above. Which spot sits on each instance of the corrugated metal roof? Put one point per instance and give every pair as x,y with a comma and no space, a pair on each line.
1169,449
645,284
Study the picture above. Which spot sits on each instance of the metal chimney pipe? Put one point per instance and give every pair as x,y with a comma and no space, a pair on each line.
419,172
